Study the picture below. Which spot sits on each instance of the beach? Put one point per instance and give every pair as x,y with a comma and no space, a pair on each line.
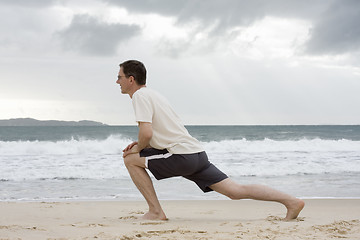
188,219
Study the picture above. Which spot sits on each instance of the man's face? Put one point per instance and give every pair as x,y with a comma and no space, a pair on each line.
123,81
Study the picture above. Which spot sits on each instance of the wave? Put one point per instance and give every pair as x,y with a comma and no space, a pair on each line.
112,145
85,159
269,145
115,143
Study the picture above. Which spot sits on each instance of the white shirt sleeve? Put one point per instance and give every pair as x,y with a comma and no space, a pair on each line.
142,107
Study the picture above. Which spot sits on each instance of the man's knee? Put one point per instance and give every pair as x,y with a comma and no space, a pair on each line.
231,189
237,191
134,160
129,160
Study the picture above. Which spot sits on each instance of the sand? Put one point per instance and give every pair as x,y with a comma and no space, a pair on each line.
218,219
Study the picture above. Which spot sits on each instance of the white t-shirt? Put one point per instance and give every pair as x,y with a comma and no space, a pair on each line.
168,131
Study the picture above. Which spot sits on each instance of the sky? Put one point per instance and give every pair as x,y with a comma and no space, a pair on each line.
235,62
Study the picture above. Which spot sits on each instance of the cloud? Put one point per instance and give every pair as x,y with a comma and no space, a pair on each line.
162,7
227,13
90,36
27,3
334,30
337,31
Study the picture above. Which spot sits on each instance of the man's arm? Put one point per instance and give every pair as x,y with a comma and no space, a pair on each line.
145,135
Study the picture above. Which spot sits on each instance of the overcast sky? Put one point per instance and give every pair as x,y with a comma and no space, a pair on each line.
217,61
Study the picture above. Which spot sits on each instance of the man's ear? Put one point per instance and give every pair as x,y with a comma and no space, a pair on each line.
132,79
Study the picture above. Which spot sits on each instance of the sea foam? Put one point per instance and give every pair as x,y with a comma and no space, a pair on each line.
115,143
102,159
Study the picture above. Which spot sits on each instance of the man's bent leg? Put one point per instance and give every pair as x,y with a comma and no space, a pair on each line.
136,167
237,191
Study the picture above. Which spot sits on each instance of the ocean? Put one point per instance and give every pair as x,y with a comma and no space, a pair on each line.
85,162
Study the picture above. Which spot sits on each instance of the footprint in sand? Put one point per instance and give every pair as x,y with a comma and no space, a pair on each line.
167,234
87,225
132,216
152,223
15,227
275,219
339,228
128,217
137,212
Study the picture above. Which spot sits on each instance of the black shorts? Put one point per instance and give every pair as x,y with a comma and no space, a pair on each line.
195,167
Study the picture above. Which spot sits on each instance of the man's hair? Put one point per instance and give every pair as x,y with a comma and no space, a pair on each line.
136,69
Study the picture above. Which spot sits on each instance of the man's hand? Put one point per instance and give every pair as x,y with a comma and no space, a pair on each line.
130,146
145,135
133,150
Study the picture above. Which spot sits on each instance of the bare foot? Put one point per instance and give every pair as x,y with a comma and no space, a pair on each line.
293,209
154,216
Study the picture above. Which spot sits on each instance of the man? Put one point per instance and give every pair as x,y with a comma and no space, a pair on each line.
166,148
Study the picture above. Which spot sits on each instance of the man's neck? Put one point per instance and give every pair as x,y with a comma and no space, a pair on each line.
137,88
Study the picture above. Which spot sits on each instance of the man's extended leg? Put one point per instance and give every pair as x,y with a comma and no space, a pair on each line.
237,191
136,167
